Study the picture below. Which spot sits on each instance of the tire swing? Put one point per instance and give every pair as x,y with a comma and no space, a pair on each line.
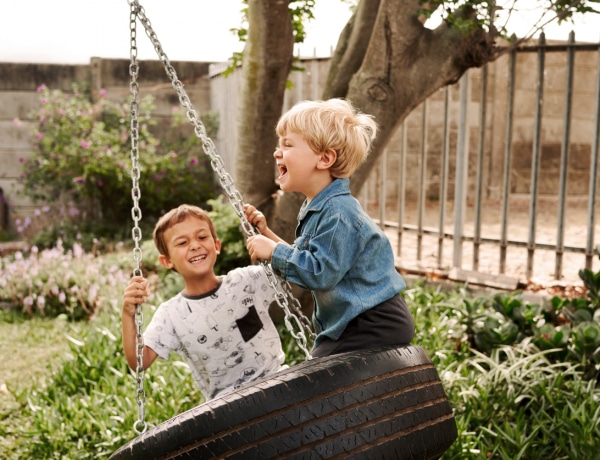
386,403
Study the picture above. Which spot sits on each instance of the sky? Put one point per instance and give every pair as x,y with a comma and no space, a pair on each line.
73,31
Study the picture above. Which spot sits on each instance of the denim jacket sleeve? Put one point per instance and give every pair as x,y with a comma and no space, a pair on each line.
324,252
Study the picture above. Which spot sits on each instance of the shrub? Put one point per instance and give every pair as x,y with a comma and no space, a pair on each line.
70,281
82,161
55,281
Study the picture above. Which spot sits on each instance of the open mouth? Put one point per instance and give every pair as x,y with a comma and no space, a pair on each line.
282,170
196,259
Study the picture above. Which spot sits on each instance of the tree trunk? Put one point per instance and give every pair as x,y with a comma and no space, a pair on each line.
267,61
403,65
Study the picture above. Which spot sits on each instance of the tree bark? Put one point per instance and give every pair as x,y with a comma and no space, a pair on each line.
266,64
404,64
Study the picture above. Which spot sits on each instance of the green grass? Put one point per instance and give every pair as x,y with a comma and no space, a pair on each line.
29,346
71,395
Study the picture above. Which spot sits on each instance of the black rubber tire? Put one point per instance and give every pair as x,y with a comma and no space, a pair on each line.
373,404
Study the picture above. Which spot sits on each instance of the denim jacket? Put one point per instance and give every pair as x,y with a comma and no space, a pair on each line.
342,256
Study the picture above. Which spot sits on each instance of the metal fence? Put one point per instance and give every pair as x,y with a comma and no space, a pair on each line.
499,169
513,228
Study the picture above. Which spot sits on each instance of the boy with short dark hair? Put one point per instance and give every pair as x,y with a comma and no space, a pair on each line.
220,325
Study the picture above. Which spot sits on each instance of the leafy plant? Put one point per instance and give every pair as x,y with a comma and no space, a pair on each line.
56,281
82,159
517,403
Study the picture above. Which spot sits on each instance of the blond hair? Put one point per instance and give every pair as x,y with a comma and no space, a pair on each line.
332,124
176,216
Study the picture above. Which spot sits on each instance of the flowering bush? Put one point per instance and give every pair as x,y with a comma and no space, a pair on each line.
82,157
71,281
55,281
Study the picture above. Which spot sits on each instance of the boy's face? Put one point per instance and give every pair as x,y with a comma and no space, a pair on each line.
296,162
192,248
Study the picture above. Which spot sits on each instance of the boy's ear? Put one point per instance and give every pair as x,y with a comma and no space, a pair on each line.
165,261
218,245
328,158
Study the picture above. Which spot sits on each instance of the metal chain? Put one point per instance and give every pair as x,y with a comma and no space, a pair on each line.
140,425
297,323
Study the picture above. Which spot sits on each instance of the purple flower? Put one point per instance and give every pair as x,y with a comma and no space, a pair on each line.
102,92
41,302
40,88
194,161
78,180
100,183
84,144
38,136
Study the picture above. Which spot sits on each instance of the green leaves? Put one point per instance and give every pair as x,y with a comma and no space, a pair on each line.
82,160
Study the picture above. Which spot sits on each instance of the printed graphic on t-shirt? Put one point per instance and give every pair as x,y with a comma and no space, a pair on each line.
227,339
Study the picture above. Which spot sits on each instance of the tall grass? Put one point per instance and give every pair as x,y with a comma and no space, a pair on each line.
513,403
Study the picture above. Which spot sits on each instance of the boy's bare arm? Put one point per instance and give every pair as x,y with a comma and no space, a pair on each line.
134,294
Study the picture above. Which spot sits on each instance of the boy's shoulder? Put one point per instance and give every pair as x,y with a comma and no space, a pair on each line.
249,271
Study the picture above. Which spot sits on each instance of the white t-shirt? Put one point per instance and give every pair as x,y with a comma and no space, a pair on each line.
226,336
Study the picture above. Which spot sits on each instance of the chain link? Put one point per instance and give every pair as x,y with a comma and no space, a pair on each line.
140,425
296,322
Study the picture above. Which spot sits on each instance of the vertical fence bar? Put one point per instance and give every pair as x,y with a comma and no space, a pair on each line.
298,86
422,181
462,164
507,161
479,178
564,161
444,177
383,189
535,160
591,225
314,69
402,188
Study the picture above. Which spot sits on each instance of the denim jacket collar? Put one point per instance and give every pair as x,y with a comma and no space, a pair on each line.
337,187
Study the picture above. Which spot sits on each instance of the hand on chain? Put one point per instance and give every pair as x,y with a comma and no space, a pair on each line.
256,218
260,248
135,293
